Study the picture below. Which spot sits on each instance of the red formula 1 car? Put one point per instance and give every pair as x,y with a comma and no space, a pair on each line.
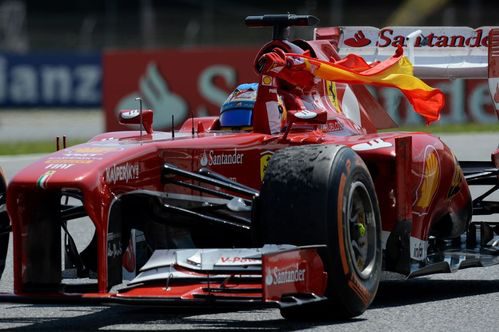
291,196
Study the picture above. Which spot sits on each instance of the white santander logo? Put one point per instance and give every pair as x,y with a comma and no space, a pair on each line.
268,279
154,89
278,276
204,159
221,158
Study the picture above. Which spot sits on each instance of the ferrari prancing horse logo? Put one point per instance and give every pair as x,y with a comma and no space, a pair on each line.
333,95
264,162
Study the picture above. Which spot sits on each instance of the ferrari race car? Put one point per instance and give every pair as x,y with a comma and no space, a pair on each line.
291,196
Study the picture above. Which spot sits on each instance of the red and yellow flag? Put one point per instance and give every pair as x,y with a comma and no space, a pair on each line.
396,72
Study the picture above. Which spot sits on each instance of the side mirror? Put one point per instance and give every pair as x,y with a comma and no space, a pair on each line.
134,117
305,116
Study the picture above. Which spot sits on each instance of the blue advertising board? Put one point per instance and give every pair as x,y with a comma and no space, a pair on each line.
50,80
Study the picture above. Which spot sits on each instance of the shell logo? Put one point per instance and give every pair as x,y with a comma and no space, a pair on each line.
266,80
429,179
457,178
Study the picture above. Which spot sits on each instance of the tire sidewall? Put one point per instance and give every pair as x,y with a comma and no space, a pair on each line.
348,290
302,203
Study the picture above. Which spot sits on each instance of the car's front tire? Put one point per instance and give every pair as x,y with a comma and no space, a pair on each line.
324,194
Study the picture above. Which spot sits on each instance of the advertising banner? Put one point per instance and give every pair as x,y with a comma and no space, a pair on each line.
197,81
173,82
50,80
465,101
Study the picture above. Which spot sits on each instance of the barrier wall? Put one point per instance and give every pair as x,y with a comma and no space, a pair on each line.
466,101
50,80
178,82
182,82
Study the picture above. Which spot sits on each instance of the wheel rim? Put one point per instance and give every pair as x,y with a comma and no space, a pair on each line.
361,230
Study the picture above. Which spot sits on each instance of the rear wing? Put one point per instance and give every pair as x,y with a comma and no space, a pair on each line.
435,52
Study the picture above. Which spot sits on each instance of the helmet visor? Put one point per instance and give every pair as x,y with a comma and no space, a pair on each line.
236,117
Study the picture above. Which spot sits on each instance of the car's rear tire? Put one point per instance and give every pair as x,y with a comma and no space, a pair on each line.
324,194
4,224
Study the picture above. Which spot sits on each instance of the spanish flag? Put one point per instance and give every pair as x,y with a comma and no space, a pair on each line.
396,72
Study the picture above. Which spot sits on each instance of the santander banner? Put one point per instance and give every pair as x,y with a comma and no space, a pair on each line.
173,82
466,101
431,37
196,81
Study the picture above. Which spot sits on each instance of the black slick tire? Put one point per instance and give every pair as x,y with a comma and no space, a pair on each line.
323,194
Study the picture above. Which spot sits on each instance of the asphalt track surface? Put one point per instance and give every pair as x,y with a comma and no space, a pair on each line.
463,301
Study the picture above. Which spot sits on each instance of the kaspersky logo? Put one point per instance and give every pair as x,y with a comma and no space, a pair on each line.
276,276
125,173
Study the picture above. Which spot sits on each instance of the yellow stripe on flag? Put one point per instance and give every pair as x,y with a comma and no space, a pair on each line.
396,72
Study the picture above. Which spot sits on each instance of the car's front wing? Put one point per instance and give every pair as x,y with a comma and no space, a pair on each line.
284,275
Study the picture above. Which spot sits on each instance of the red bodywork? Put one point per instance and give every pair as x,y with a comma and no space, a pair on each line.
416,176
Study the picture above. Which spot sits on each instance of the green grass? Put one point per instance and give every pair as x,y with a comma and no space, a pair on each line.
16,148
29,147
452,128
